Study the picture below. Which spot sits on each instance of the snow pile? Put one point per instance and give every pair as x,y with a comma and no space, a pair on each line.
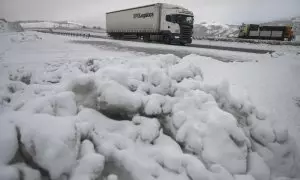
149,118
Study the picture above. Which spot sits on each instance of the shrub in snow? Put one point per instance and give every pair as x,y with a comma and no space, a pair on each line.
85,89
184,86
285,160
108,97
90,164
22,37
201,127
21,75
257,167
281,133
156,105
184,70
15,86
242,109
51,143
147,129
262,132
61,104
5,99
160,82
118,74
116,100
27,173
8,141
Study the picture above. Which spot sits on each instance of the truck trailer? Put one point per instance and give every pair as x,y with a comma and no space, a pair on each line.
156,22
255,31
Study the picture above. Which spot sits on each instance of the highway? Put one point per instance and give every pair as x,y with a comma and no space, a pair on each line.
161,51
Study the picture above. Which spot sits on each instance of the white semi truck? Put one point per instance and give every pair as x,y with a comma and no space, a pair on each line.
156,22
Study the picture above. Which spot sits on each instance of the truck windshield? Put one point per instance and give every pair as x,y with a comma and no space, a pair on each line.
181,19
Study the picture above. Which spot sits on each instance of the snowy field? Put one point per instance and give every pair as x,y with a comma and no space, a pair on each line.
71,111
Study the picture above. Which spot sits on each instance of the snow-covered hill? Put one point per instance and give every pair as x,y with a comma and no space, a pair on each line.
215,29
9,26
50,24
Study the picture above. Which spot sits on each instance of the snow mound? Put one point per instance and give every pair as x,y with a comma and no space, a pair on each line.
149,118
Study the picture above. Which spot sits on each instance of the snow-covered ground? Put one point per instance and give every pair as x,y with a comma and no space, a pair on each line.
78,112
223,55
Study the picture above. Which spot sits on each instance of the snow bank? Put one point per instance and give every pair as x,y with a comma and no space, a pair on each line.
147,118
50,143
8,142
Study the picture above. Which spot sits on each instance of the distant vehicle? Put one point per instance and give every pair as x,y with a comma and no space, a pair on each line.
156,22
255,31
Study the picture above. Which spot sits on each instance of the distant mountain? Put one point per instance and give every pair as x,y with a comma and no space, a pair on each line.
214,29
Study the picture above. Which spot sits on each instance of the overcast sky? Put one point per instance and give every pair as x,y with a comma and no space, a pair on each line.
92,12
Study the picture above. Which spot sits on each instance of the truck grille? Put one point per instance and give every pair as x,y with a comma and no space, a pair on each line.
186,32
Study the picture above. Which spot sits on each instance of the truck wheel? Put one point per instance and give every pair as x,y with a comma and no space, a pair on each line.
146,38
182,43
167,39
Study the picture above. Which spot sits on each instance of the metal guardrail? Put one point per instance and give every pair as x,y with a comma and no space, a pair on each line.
70,33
